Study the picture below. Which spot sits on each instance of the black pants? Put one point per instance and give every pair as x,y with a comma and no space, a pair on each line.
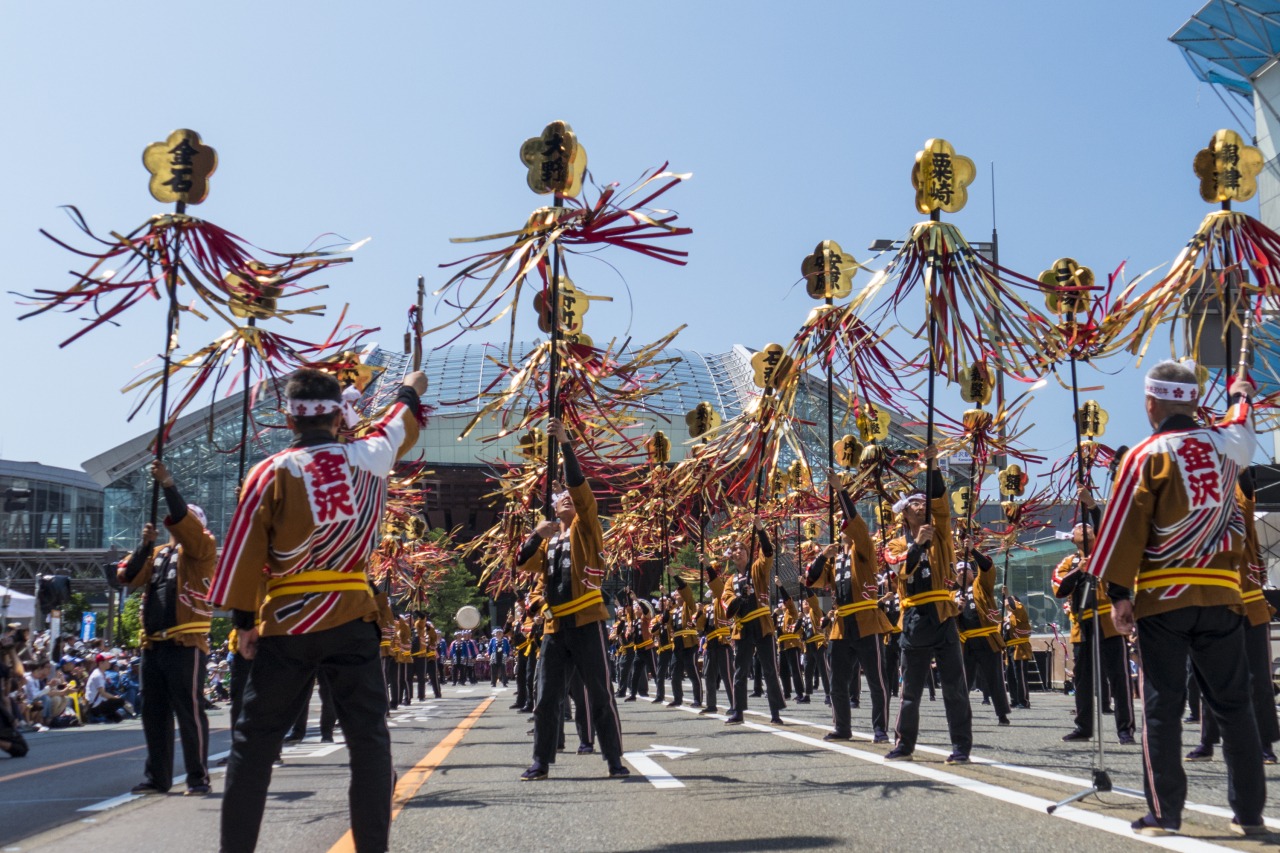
1020,693
641,667
866,650
424,670
172,682
404,671
892,662
794,677
327,715
661,672
1257,648
1115,669
531,676
348,657
498,669
239,678
685,666
983,667
522,680
391,677
1214,638
758,649
717,670
624,672
815,669
585,648
955,692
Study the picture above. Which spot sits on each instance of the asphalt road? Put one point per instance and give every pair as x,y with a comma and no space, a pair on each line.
697,786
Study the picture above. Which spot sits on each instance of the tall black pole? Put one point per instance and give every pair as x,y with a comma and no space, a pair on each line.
831,442
935,216
554,365
171,321
244,408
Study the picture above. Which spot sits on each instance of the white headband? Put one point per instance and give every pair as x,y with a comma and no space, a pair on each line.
906,499
1177,392
301,408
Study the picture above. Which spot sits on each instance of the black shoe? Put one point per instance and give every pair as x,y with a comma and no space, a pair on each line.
758,694
1149,826
695,704
957,757
1268,756
658,701
1191,718
326,738
1107,709
1004,721
711,710
802,700
855,705
617,771
898,754
197,791
517,706
986,701
585,749
1248,829
294,740
1201,752
629,699
143,788
776,720
1125,739
536,773
838,736
674,703
1076,735
279,762
733,720
881,738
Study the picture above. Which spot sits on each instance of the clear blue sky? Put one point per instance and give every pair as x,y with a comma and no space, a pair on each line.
402,121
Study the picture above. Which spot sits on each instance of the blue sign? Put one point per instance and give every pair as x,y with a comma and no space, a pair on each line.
88,626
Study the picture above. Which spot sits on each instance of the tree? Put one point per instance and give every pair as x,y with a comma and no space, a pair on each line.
457,590
131,621
73,610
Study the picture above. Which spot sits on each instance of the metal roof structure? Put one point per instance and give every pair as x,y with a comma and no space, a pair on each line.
1229,42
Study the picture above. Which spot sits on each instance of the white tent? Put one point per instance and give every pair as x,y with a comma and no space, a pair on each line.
21,605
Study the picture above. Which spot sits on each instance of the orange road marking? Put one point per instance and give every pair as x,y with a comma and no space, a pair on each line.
12,776
414,779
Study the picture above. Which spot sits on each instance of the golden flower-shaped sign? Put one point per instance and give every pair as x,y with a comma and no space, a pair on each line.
180,167
828,272
1092,419
255,297
556,160
771,366
873,423
797,474
1228,169
941,177
1013,481
810,528
573,305
350,370
960,499
701,419
886,515
847,450
1066,286
976,420
533,445
659,447
975,384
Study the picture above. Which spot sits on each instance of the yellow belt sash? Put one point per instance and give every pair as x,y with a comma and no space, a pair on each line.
667,648
817,638
647,644
856,607
1252,596
689,632
582,602
979,632
718,634
1103,609
753,615
1018,641
319,580
931,597
1190,576
176,630
788,638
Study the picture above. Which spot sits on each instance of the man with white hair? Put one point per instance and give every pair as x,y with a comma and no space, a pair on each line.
1169,547
175,645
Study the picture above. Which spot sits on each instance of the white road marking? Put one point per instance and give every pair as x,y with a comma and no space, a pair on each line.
1048,775
111,803
651,769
